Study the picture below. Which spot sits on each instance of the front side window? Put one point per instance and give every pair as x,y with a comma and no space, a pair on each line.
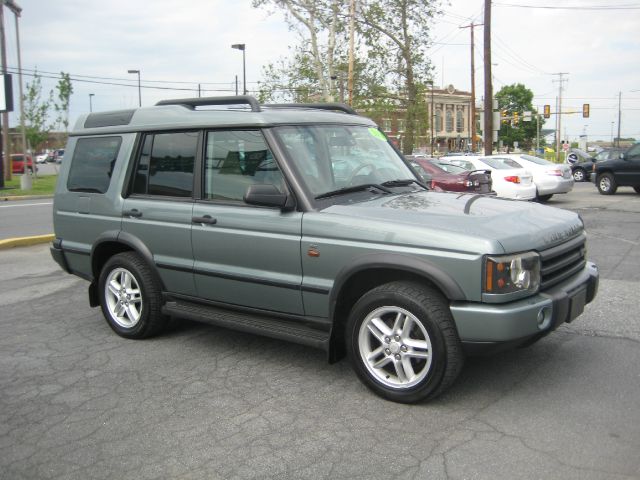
235,160
92,164
165,166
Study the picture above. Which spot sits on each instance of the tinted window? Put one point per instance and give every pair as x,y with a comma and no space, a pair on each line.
165,166
92,164
236,159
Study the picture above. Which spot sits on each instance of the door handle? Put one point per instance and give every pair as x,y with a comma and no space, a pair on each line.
208,219
132,213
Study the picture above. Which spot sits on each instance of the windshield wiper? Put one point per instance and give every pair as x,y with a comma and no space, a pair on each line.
354,188
403,183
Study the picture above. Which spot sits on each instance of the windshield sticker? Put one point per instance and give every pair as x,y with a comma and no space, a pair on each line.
377,134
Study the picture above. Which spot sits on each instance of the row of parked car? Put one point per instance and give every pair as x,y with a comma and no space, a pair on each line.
514,176
53,156
18,159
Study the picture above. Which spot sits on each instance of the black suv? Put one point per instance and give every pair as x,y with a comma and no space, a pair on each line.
619,172
581,170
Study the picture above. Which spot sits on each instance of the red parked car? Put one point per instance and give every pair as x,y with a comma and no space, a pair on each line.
17,163
445,176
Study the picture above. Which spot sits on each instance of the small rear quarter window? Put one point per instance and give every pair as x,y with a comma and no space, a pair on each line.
92,164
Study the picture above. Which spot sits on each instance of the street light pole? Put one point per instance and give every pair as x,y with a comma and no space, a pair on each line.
242,46
139,88
91,95
432,116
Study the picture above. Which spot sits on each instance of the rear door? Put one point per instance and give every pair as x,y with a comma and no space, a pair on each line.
157,212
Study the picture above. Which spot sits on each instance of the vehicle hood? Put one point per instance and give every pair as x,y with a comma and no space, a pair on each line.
459,222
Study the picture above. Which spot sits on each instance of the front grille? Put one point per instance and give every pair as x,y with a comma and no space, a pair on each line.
561,262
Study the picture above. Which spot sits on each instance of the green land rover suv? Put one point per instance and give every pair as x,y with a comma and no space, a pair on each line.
303,223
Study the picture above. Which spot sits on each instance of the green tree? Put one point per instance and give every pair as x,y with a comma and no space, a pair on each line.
36,113
61,104
517,98
319,24
397,33
392,67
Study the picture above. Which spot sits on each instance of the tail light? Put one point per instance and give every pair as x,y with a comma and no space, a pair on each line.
512,179
556,172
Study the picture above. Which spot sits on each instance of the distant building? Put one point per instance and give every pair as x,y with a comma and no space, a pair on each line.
450,110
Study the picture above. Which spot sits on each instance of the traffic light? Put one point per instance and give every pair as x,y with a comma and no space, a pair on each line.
515,118
503,116
585,110
547,111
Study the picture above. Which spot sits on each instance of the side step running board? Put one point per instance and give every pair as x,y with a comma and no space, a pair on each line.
282,329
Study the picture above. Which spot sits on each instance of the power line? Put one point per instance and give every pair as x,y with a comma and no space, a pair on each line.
555,7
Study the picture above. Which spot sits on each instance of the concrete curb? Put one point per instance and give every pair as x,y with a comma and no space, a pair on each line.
24,197
26,241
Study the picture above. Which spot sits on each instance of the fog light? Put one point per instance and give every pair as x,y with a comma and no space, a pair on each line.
544,318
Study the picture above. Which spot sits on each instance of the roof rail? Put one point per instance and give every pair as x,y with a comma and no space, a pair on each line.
206,101
320,106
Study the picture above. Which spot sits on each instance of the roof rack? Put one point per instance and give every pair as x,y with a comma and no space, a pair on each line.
320,106
206,101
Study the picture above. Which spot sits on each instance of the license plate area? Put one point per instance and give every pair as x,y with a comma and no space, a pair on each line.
577,302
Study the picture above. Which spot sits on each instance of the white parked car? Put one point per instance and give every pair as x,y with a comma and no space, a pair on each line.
549,178
42,157
508,182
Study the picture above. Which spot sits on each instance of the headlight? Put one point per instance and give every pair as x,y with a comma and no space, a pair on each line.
507,274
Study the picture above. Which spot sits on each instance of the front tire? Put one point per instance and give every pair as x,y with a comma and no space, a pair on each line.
606,184
130,297
637,189
579,175
403,343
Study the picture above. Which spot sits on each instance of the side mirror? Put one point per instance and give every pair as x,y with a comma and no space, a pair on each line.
622,156
267,195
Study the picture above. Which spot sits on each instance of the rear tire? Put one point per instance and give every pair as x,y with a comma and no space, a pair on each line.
637,189
606,184
130,297
403,343
544,198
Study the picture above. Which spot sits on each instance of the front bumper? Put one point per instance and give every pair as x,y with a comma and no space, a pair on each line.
519,321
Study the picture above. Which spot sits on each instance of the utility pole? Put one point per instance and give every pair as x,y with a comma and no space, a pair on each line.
5,115
352,19
488,86
472,110
619,116
559,112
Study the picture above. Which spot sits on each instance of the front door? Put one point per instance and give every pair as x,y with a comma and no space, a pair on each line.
244,255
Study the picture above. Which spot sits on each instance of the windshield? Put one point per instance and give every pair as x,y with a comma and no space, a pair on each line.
333,157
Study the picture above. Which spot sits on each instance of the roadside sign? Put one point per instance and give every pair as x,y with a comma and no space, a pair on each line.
565,146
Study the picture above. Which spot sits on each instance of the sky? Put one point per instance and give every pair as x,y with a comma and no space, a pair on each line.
178,45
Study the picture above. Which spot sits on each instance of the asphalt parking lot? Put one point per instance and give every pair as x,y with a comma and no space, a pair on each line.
78,402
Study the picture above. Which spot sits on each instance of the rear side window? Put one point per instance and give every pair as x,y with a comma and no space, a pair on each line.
166,163
92,164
